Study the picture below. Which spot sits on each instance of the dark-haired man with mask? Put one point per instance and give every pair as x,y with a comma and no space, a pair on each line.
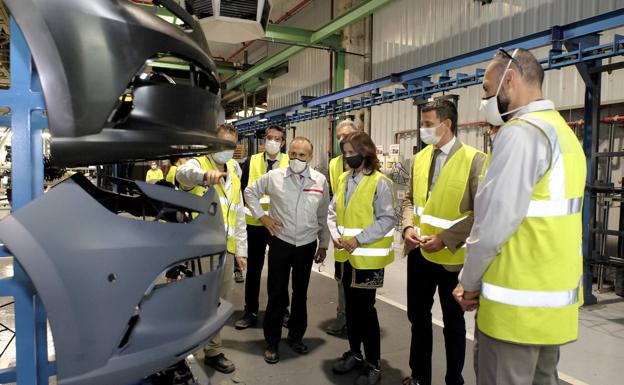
297,221
257,235
436,222
523,264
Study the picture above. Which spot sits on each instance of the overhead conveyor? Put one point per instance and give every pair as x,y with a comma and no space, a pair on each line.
572,44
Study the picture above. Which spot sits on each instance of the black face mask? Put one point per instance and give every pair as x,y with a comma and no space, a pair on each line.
354,161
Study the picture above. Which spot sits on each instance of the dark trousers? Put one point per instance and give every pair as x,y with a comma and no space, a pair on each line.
284,258
422,279
257,240
362,321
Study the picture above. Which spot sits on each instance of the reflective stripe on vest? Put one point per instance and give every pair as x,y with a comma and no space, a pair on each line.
257,168
532,289
541,209
439,210
229,207
435,221
529,298
357,215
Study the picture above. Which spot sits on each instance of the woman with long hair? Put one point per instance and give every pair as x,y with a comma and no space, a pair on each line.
361,221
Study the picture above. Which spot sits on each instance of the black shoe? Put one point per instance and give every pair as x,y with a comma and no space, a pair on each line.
337,328
370,375
246,321
347,363
220,363
297,345
410,381
286,318
271,356
238,276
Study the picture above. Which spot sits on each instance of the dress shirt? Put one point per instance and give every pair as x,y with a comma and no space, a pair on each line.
440,160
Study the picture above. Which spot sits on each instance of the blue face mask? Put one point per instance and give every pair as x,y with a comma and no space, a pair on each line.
223,157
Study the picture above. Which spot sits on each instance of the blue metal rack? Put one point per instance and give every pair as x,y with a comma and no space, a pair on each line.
417,83
26,103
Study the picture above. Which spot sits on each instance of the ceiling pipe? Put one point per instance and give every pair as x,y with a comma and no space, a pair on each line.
351,16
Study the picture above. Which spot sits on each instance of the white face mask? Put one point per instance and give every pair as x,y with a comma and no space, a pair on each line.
222,157
489,106
297,166
272,147
428,135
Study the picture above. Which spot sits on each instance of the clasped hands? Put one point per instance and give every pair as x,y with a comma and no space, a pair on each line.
430,244
348,245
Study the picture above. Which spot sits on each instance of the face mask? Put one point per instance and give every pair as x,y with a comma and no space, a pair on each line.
495,108
154,167
354,161
272,147
222,157
428,135
297,166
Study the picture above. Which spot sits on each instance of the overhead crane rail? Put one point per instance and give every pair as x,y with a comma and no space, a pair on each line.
418,84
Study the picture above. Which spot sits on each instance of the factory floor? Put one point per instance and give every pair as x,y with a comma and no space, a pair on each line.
595,359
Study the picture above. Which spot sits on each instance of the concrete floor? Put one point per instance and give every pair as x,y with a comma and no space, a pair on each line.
595,359
245,347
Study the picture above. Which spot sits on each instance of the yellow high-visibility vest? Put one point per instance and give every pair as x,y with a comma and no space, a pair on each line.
171,174
229,204
257,168
336,168
441,210
532,290
357,215
154,175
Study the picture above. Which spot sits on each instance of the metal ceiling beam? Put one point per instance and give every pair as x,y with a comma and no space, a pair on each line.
292,35
351,16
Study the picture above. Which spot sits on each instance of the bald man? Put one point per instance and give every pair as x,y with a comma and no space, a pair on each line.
523,264
297,222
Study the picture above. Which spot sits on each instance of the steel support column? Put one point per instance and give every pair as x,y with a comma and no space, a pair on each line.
339,82
591,117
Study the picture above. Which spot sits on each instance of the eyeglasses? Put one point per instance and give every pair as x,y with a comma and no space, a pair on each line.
506,55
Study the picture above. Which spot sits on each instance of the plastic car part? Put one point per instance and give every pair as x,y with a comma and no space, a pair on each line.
93,268
90,55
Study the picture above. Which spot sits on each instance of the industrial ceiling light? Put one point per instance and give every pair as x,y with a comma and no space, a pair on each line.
231,21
